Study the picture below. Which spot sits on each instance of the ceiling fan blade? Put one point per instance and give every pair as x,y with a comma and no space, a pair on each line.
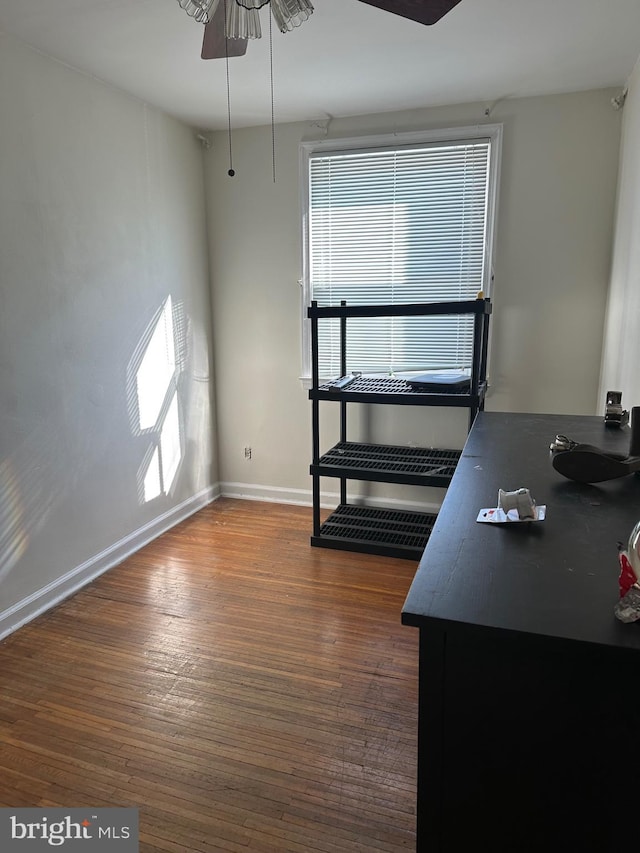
213,43
421,11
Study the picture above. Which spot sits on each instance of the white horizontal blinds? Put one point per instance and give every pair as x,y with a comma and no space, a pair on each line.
397,226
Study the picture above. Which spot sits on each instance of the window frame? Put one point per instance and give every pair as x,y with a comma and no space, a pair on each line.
308,148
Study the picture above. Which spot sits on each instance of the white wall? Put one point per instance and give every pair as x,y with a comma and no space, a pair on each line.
621,357
559,168
101,220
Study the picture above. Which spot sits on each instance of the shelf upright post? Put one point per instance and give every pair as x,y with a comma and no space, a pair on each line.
315,417
343,405
485,343
478,328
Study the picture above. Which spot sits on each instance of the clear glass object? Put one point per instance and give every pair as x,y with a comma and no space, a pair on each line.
289,14
633,550
201,10
243,22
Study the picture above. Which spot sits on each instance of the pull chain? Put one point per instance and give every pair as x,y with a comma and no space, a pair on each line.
231,171
273,121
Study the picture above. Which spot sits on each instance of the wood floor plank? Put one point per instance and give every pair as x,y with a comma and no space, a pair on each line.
245,691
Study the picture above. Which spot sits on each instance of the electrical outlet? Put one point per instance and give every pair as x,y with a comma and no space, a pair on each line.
247,453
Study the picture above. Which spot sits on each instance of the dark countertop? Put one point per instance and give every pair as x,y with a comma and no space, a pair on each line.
555,578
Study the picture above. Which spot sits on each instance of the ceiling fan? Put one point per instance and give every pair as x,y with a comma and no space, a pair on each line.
288,14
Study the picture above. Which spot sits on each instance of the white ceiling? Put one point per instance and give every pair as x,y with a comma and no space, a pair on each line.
347,59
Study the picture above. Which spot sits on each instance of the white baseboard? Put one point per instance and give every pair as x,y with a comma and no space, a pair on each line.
328,500
270,494
69,583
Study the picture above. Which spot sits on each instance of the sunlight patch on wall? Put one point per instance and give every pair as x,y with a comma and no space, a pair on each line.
32,480
154,401
151,479
13,535
157,369
170,449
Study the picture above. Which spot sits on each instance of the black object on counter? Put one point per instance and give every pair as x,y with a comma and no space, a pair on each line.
586,463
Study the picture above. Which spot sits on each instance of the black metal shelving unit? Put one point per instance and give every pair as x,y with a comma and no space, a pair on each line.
388,532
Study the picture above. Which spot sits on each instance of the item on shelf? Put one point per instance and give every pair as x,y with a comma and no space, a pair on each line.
586,463
440,383
516,506
614,414
628,607
342,383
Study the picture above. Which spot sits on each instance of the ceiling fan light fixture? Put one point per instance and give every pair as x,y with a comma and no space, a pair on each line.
201,10
289,14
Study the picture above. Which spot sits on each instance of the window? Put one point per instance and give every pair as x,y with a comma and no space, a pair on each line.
403,219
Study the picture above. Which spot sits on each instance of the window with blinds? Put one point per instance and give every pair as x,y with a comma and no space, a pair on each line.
394,225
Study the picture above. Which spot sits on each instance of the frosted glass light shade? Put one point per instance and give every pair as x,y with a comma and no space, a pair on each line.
242,23
201,10
289,14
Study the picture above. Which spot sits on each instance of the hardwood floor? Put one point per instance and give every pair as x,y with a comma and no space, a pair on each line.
245,691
